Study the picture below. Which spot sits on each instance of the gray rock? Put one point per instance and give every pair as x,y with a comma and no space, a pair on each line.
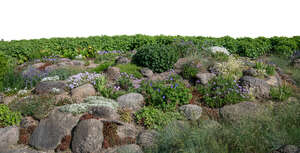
131,148
113,73
205,77
78,63
50,131
65,64
147,138
1,98
178,66
8,136
127,131
241,110
88,136
21,149
296,63
27,122
191,112
104,112
132,101
250,72
255,86
38,65
122,60
147,72
287,149
274,80
47,87
83,91
51,67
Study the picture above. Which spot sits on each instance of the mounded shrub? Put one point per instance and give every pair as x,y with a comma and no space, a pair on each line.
159,58
283,46
253,48
8,117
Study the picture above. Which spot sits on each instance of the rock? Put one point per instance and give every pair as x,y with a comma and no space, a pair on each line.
83,91
88,136
48,86
79,57
287,149
65,64
205,77
241,110
27,122
8,136
78,63
162,76
38,65
147,72
296,63
51,67
131,101
131,148
178,66
1,98
8,99
191,112
50,131
92,65
274,80
104,112
21,149
209,124
147,138
62,96
122,60
113,73
127,131
250,72
216,49
255,86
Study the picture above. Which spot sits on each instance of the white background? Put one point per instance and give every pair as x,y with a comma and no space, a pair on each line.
28,19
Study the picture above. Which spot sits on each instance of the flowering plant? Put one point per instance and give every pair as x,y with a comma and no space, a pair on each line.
81,78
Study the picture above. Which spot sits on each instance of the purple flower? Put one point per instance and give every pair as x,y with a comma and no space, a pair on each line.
164,97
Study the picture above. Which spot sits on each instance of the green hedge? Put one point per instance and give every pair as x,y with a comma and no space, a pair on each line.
25,50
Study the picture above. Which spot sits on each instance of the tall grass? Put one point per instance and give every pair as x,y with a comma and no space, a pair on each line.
260,135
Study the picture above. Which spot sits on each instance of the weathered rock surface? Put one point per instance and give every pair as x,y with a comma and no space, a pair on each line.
22,149
127,131
205,77
209,124
122,60
132,101
147,138
104,112
147,72
8,136
48,86
88,136
113,73
287,149
191,112
274,80
256,87
27,122
250,72
83,91
131,148
50,131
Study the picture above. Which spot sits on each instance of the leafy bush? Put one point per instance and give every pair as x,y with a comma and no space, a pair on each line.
106,55
102,67
221,91
158,58
189,71
155,118
8,117
166,95
124,82
184,48
107,91
283,46
130,69
253,47
281,93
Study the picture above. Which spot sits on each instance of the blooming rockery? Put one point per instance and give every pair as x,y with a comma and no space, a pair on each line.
81,78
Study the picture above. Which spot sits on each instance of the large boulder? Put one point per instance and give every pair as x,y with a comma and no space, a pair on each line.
131,148
274,80
131,101
50,131
205,77
88,136
147,138
241,110
255,86
191,112
83,91
8,136
49,86
105,112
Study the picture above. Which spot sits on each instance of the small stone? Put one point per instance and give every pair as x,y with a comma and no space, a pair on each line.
105,112
191,112
27,122
131,148
147,72
113,73
131,101
250,72
78,63
288,149
205,77
122,60
47,87
83,91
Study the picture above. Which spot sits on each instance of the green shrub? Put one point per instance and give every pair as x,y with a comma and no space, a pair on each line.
8,117
221,91
158,58
189,71
220,56
155,118
6,64
283,46
184,48
102,67
38,107
130,69
264,68
166,95
124,82
281,93
253,48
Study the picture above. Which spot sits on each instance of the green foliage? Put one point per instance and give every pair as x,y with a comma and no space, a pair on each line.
64,73
102,67
253,48
281,93
154,118
184,48
264,68
105,90
221,91
6,64
125,115
8,117
38,107
283,46
130,69
189,71
264,134
158,58
124,82
220,56
166,95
